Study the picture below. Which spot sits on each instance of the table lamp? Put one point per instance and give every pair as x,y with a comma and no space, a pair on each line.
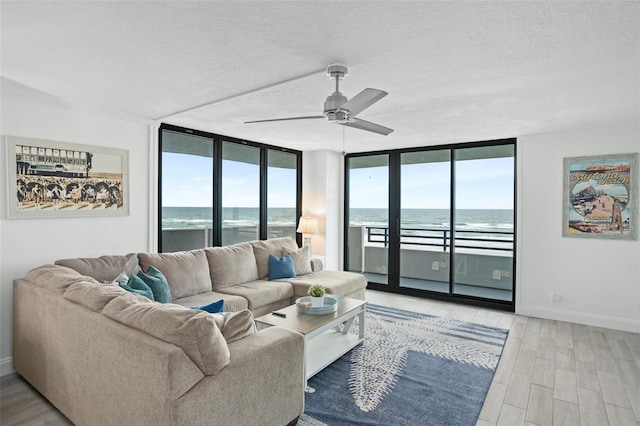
307,225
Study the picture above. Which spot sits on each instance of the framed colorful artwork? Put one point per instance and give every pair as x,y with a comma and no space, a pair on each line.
48,179
600,197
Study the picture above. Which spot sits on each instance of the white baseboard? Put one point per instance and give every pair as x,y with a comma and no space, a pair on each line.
6,366
595,320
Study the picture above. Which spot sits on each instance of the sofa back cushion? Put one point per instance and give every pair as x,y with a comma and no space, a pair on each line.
195,332
103,268
57,278
301,259
263,248
93,296
231,265
187,272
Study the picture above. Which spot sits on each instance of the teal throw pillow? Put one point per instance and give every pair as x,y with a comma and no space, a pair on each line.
136,285
158,284
281,267
212,308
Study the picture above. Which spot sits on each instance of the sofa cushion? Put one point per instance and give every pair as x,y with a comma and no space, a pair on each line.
262,249
340,283
231,303
158,284
231,265
260,293
95,296
122,278
57,278
212,308
235,325
103,268
281,267
316,264
195,332
138,286
187,272
301,259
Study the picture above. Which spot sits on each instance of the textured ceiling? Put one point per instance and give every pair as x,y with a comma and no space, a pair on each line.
455,71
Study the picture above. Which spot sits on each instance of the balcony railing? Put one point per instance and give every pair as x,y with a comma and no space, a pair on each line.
441,238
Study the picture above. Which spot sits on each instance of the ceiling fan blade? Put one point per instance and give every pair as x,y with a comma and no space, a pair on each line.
285,119
368,126
363,100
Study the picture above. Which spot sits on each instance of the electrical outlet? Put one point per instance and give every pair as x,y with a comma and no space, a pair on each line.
555,298
506,274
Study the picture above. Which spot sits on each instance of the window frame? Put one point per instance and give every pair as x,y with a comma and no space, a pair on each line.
217,142
394,207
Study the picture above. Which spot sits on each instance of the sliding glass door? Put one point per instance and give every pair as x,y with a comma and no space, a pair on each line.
425,199
186,210
435,221
240,193
483,233
282,184
368,213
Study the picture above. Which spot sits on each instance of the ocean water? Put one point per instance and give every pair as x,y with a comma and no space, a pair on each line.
492,220
495,220
201,217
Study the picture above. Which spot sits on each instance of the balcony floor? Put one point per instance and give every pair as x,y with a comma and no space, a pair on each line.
443,287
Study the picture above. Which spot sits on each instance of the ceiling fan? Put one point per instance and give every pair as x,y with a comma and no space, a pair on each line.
338,109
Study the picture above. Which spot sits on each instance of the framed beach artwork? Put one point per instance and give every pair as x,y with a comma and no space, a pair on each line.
600,197
48,179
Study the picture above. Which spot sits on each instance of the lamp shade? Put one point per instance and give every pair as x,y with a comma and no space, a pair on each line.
308,225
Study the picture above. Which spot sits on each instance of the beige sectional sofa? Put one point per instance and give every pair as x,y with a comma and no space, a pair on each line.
106,356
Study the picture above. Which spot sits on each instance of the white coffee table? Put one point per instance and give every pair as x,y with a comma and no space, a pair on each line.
326,337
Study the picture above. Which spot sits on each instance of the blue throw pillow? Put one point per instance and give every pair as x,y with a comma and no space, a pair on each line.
281,267
158,284
212,308
136,285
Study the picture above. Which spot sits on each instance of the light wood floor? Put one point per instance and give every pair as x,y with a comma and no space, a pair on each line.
550,373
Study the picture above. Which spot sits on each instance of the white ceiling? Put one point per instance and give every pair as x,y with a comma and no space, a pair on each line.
455,71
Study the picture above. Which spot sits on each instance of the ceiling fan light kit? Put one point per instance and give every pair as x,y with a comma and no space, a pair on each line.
339,109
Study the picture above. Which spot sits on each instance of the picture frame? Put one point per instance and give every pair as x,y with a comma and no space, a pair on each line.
52,179
600,197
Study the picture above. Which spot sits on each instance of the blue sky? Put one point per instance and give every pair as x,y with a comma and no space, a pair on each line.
480,184
187,182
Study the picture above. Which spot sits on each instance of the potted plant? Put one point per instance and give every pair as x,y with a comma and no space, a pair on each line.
317,293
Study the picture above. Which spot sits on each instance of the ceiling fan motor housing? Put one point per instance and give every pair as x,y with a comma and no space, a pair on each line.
339,116
334,102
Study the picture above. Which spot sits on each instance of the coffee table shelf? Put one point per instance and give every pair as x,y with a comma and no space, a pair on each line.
327,337
324,349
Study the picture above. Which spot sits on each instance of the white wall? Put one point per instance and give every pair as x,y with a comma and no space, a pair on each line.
598,280
28,243
322,189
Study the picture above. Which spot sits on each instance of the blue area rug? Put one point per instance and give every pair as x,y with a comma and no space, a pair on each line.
413,369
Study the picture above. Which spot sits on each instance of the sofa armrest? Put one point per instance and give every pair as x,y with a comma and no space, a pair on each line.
317,264
262,384
93,369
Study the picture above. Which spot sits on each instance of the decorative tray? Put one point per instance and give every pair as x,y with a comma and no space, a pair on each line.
329,307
